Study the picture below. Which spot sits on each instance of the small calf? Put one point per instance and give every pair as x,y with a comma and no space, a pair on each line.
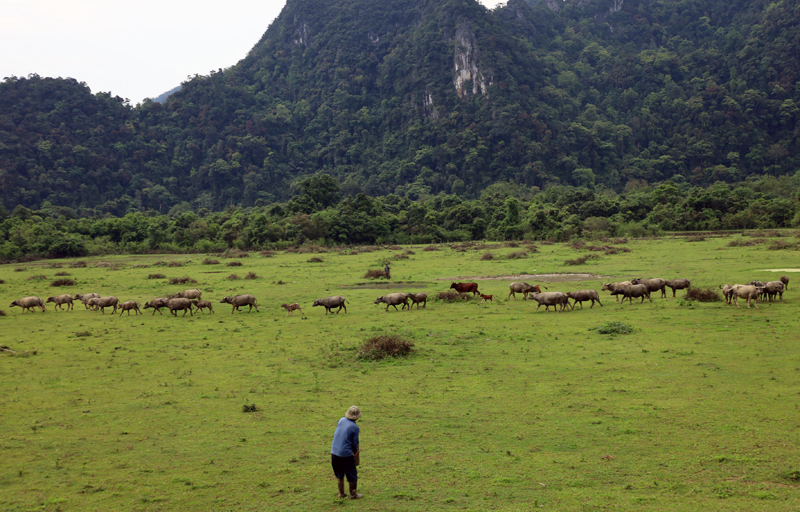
202,304
486,298
128,306
290,308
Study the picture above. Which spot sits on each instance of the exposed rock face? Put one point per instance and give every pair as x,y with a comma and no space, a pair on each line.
302,33
465,60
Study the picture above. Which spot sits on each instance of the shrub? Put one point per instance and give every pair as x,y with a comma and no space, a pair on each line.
60,274
315,260
702,295
487,256
251,275
156,276
210,261
696,238
233,277
63,282
249,408
234,263
138,266
83,334
451,296
37,278
581,260
103,264
20,269
2,282
78,264
745,243
382,347
409,251
778,245
532,248
430,248
54,265
175,264
311,247
619,240
374,274
181,280
236,253
401,256
577,244
267,253
2,312
614,328
516,255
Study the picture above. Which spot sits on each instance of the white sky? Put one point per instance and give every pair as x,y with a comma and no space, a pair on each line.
133,49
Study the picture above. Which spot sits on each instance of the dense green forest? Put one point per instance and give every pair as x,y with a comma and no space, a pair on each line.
576,109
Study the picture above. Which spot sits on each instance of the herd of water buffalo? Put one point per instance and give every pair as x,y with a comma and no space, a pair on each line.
191,300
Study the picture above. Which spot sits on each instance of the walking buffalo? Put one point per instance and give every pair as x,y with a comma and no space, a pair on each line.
291,308
239,301
60,300
548,299
203,304
584,296
393,299
524,289
416,298
613,286
28,303
102,303
678,284
128,306
333,302
653,285
194,293
633,291
157,304
176,305
746,291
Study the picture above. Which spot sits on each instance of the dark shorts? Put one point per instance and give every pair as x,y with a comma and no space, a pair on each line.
344,466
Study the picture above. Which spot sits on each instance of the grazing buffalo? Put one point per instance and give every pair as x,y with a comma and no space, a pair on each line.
84,298
773,288
678,284
393,299
290,308
465,288
524,289
128,306
548,299
188,294
157,304
785,281
333,302
633,291
202,304
613,286
653,285
60,300
416,298
178,304
28,303
102,303
239,301
746,291
727,292
584,296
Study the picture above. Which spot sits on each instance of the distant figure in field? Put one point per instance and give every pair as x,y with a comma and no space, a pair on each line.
387,271
344,452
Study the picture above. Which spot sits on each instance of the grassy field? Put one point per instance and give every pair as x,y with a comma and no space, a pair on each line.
502,407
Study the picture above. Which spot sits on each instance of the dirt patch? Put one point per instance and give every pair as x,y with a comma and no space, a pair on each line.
383,286
782,270
547,278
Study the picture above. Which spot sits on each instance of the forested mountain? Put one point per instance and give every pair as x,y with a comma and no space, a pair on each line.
421,97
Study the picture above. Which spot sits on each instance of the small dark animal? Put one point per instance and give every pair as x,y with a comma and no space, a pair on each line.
785,281
290,308
485,298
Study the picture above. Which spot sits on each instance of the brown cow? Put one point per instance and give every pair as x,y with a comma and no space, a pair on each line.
290,308
465,288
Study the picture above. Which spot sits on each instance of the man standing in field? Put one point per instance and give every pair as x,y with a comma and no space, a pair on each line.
344,452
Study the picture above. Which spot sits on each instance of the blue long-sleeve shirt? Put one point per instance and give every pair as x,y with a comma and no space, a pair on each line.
345,439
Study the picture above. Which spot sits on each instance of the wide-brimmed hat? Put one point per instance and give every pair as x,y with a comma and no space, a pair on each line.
353,413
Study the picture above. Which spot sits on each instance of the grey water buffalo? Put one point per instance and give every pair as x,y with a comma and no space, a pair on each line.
773,288
238,301
29,303
727,292
156,304
785,281
203,304
633,291
178,304
129,305
393,299
548,299
194,293
60,300
653,285
332,302
746,291
582,296
416,298
102,303
84,298
613,286
291,308
524,289
678,284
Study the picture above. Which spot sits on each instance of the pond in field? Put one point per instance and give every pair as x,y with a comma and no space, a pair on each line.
547,278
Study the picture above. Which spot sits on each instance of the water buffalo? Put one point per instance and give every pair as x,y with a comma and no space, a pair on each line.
773,288
28,303
727,292
60,300
157,304
633,291
613,286
653,285
332,302
239,301
393,299
188,294
584,295
746,291
290,308
524,289
203,304
548,299
84,298
102,303
416,298
678,284
465,288
785,281
128,306
178,304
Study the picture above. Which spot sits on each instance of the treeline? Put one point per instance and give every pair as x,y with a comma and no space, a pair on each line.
317,213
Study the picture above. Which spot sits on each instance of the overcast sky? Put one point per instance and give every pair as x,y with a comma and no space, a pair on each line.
133,49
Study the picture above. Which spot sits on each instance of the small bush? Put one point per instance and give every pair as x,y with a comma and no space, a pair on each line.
232,277
234,263
315,259
2,312
251,275
61,274
532,248
249,408
745,243
181,280
311,248
696,238
778,245
37,278
138,266
430,248
374,274
161,263
614,328
2,282
236,253
78,264
517,255
83,334
267,253
210,261
409,252
487,256
103,264
619,240
156,276
451,297
401,256
581,260
55,265
20,269
63,282
702,295
382,347
175,264
577,244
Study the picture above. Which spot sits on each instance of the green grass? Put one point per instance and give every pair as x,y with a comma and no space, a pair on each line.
500,407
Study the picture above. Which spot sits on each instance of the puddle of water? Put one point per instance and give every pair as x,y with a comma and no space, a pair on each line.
547,278
383,286
782,270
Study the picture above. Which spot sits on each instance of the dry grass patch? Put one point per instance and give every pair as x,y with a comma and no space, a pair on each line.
181,280
315,259
78,264
20,269
451,296
517,255
61,274
702,295
696,238
267,253
779,245
210,261
63,282
374,274
745,243
429,248
487,256
383,347
2,312
54,265
582,260
251,275
234,263
232,277
37,278
156,276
